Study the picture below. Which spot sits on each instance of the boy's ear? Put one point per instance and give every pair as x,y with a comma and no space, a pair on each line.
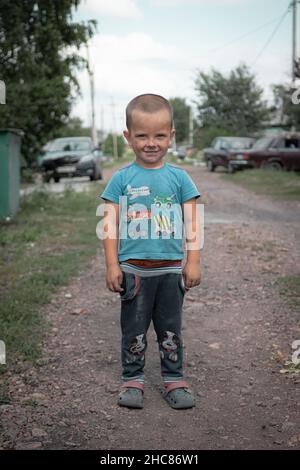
173,132
126,134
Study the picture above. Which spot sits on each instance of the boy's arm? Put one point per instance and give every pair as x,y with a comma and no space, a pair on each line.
114,274
192,269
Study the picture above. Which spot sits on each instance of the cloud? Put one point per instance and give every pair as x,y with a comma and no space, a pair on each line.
134,47
173,3
135,63
126,66
116,8
132,64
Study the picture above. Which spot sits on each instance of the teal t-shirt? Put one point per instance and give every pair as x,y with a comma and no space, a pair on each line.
150,201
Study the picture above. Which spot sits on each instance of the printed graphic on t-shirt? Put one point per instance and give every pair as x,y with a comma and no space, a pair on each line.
160,215
163,200
136,192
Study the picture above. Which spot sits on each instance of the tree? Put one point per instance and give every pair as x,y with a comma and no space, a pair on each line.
181,113
203,136
38,60
287,105
73,128
234,104
109,146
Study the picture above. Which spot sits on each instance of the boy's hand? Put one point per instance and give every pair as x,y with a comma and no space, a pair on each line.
191,274
114,277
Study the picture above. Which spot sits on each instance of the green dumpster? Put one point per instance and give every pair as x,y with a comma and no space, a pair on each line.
10,141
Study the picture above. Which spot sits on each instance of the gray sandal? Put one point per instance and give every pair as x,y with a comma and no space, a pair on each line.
178,395
132,396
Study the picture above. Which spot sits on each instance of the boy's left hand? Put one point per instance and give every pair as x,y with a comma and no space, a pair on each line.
191,274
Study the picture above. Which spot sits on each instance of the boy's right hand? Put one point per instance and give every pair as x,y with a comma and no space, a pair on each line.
114,277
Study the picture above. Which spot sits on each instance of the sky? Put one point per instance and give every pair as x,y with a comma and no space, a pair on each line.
158,46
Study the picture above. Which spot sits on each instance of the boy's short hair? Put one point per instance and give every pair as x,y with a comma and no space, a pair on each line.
148,103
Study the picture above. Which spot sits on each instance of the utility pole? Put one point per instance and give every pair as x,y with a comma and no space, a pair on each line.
114,135
191,127
295,71
91,76
102,125
2,92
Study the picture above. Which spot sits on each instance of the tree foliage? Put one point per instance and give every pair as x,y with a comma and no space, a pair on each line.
73,128
203,136
181,113
109,145
288,112
39,45
232,103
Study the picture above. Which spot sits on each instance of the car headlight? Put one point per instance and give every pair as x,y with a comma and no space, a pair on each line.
86,158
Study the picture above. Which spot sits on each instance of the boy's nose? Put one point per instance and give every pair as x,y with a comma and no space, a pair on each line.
151,143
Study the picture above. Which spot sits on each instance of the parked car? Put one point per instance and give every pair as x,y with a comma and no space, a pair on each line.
224,149
70,156
184,151
173,152
275,153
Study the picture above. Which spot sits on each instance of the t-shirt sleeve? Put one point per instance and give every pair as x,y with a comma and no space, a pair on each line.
188,188
113,189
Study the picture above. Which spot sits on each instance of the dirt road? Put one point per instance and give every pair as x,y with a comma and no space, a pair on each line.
238,330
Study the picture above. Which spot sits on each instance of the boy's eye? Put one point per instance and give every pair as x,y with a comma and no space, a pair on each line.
140,136
161,136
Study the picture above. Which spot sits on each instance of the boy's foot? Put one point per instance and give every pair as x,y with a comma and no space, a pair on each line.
132,395
178,395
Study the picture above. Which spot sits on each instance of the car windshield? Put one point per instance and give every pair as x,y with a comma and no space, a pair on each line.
241,144
67,145
238,144
262,144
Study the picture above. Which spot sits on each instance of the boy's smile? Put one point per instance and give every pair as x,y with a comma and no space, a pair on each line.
149,136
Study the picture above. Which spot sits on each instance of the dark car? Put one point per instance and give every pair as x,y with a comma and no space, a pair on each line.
224,149
275,153
70,156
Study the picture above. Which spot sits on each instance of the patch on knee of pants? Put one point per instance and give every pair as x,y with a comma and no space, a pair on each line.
132,358
138,344
170,341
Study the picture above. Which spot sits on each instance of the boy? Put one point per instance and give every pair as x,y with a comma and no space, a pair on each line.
145,268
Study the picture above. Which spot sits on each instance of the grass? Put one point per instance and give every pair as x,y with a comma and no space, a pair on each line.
277,184
177,161
49,241
289,287
127,158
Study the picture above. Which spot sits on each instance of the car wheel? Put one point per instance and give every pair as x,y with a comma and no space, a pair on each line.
56,179
230,168
210,166
99,176
93,177
275,166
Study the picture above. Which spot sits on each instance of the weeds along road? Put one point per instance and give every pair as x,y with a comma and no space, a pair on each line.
238,330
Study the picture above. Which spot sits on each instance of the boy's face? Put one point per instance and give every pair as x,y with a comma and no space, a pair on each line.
149,136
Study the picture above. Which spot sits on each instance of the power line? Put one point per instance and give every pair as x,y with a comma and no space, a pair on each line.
272,35
246,34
